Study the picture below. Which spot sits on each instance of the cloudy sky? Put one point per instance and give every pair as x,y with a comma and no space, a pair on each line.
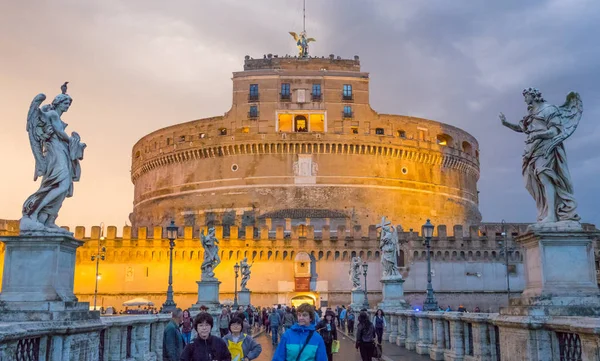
139,65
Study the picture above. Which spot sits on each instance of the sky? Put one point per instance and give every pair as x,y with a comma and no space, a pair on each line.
139,65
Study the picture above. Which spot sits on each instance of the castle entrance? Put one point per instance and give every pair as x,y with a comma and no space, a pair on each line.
300,299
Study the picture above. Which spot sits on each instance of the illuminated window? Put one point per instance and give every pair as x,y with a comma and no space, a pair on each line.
245,129
317,122
285,91
222,131
202,135
444,139
347,92
300,124
285,123
347,111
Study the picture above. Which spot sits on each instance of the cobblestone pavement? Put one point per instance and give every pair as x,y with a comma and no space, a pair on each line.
347,351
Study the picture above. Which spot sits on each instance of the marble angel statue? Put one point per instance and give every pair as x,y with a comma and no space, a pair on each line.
245,270
211,254
545,171
302,43
388,243
355,273
57,157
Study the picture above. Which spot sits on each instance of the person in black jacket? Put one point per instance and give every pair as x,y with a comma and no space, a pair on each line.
205,347
365,337
328,331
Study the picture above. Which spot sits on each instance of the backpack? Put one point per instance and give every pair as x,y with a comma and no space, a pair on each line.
367,334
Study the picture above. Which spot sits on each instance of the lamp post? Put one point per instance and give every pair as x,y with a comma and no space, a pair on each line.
169,304
236,268
430,303
99,256
506,250
365,268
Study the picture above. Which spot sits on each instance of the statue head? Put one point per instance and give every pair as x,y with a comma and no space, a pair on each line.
62,102
532,95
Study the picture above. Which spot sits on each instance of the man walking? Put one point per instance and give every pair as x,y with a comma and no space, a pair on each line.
274,322
343,318
172,339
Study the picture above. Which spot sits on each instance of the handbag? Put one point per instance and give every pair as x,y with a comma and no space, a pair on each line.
378,352
335,346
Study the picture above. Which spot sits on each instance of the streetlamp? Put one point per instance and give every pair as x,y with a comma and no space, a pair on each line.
430,303
99,256
236,268
506,250
365,268
169,304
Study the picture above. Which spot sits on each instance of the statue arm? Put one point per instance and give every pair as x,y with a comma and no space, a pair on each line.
515,127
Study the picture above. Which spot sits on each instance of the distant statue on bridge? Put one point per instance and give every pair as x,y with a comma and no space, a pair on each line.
388,243
57,157
355,273
545,170
245,270
211,254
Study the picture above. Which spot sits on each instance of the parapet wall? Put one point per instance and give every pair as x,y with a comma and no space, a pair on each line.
270,61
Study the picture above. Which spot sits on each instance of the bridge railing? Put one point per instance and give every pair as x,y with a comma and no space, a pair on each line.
479,336
109,338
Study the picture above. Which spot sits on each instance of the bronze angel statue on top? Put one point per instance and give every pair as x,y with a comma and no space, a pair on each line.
302,43
545,170
57,157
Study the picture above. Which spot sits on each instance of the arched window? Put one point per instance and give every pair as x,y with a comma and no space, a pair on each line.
300,124
467,147
401,258
444,139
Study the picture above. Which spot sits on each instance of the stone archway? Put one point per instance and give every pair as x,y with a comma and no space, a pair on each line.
304,298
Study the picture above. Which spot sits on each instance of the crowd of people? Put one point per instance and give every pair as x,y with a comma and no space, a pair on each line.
301,334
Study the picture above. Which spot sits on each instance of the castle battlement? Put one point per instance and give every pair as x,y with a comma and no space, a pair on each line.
332,62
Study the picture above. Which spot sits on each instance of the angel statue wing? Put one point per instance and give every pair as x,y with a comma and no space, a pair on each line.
294,35
39,131
310,39
570,114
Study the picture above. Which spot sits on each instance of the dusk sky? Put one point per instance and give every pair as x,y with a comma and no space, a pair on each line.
136,66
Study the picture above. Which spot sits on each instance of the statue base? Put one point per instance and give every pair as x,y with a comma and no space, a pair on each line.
560,273
393,295
244,298
358,299
208,296
37,283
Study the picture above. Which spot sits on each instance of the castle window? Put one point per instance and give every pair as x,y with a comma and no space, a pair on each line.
444,139
169,141
316,122
245,129
347,92
202,135
285,91
253,95
401,134
467,148
316,93
300,124
347,113
181,138
354,130
222,131
379,131
253,113
422,134
137,154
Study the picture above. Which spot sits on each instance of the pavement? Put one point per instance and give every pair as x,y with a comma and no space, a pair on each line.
391,352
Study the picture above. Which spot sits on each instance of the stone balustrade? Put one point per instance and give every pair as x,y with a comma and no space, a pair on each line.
455,336
115,338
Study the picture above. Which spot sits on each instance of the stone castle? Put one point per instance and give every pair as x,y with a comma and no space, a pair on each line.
294,176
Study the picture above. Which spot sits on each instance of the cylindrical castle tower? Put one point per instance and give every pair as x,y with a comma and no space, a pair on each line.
301,135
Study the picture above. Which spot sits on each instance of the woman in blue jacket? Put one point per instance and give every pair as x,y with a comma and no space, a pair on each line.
301,342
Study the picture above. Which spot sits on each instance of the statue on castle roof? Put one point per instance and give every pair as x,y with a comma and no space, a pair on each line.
302,43
211,254
57,157
354,273
245,271
388,243
545,169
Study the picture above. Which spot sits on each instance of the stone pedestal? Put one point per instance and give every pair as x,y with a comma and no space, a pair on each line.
560,275
393,295
208,296
357,299
37,283
244,298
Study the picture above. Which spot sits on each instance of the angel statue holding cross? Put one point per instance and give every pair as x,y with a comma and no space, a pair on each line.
388,243
302,43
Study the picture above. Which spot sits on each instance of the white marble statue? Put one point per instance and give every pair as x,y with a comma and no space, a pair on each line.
355,273
211,254
545,170
388,243
57,157
245,270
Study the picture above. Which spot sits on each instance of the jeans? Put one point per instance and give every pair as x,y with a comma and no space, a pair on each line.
343,324
351,326
379,333
275,334
187,337
328,351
